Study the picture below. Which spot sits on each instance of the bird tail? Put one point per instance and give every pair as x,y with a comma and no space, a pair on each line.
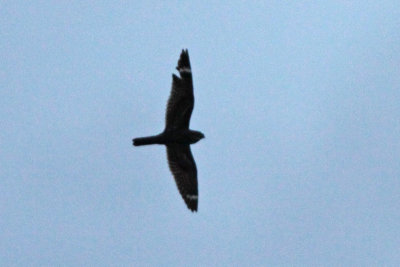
151,140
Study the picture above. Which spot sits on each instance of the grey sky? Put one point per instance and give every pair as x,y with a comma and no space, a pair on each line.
299,102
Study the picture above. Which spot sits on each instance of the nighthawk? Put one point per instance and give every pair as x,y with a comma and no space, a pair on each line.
177,137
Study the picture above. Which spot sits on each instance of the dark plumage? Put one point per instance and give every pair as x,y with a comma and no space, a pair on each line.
177,136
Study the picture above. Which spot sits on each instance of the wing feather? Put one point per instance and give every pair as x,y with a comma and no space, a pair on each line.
181,100
183,167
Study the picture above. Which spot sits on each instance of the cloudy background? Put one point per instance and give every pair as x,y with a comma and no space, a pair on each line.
299,102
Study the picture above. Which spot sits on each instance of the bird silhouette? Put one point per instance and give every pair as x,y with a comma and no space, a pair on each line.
177,137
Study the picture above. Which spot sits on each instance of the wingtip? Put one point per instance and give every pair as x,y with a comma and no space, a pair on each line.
184,61
193,209
192,202
185,53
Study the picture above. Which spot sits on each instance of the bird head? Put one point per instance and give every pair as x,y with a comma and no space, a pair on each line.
197,136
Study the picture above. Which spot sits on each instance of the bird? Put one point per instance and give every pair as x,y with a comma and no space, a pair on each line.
177,136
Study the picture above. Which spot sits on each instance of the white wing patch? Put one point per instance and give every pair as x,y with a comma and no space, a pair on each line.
192,197
187,70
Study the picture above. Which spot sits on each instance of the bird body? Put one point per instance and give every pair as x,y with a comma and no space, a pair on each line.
173,136
177,137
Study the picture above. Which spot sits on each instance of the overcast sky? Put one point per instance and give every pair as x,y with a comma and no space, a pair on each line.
299,102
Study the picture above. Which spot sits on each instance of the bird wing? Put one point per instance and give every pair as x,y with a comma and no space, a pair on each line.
183,167
181,100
